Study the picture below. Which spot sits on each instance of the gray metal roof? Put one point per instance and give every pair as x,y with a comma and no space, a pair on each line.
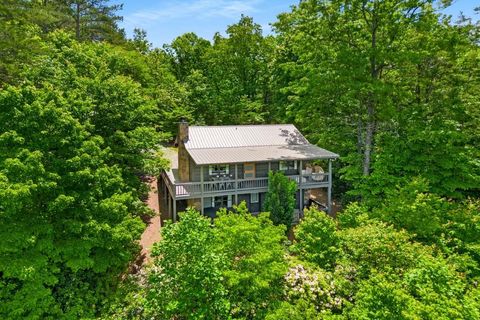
204,137
262,153
251,143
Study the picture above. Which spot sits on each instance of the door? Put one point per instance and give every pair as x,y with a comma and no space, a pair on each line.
249,170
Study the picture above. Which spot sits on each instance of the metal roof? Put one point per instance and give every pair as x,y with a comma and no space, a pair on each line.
251,143
261,153
204,137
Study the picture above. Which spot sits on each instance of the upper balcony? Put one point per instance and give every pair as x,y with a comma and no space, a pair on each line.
225,186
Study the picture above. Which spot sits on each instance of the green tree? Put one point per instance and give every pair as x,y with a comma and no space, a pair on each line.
381,298
228,81
68,220
186,282
140,41
253,249
434,220
76,136
18,38
316,239
95,20
280,199
187,54
239,75
107,88
387,82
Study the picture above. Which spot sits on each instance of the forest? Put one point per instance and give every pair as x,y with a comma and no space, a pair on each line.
392,86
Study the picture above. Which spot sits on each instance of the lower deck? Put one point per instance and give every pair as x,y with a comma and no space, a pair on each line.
209,205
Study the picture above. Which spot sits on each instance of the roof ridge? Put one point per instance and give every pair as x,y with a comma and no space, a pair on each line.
244,125
254,146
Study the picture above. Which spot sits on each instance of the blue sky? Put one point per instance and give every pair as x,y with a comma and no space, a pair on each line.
164,20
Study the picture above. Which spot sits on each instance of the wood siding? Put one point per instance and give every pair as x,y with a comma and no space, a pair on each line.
261,170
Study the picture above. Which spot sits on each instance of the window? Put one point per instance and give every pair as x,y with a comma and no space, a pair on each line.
222,202
218,169
254,198
288,165
208,203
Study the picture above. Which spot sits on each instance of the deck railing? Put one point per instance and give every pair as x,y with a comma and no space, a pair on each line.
192,189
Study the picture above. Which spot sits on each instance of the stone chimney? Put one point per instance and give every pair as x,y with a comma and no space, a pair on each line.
183,156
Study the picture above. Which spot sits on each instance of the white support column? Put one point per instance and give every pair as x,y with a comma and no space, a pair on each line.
329,201
202,209
236,184
269,166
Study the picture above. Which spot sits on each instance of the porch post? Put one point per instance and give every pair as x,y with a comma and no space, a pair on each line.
269,166
169,205
300,186
165,190
329,201
202,209
174,209
236,184
159,192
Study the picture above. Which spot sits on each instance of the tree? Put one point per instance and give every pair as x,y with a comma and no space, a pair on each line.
380,78
76,135
378,272
234,269
228,81
316,240
239,74
107,89
187,280
367,35
68,219
95,20
140,41
313,288
280,199
18,39
253,251
187,54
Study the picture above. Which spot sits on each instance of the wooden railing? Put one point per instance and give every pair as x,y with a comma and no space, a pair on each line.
192,189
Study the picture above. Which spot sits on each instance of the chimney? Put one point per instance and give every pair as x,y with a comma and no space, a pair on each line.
183,156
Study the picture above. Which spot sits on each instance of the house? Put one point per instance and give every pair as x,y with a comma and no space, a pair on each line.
219,166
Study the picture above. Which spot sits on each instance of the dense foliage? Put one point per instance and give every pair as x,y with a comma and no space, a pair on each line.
280,198
235,268
392,86
79,127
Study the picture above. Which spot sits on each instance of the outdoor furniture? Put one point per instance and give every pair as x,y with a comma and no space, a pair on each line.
319,174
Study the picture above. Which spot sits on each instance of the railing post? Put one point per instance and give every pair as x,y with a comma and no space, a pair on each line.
329,201
202,210
236,184
300,185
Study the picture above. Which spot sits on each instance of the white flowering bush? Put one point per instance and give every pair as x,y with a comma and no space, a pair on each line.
313,285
